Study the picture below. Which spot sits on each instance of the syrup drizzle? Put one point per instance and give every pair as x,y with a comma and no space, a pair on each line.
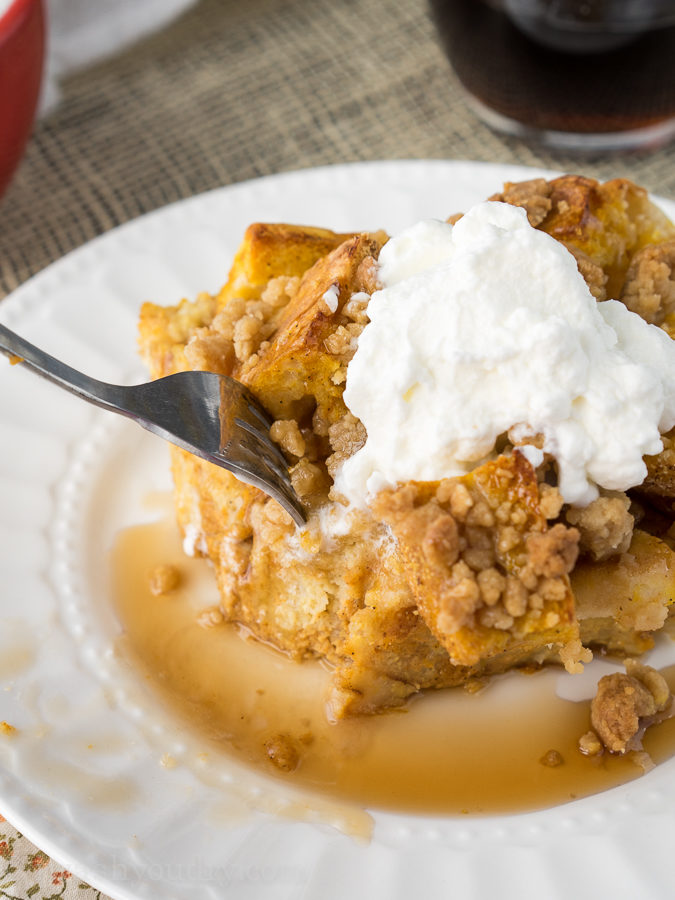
448,752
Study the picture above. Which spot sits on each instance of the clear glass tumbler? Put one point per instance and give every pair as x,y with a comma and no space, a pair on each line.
578,74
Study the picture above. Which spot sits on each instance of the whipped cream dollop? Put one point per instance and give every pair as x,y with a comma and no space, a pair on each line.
487,326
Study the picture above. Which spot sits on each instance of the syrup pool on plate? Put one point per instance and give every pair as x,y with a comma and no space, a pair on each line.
447,752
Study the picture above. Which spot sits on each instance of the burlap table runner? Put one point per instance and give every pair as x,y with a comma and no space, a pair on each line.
232,91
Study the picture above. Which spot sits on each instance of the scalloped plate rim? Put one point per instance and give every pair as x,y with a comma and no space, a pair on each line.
615,802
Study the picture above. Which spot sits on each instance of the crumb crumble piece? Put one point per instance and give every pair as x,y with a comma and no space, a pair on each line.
346,436
605,526
239,331
209,352
286,433
366,279
593,274
279,291
342,342
573,655
553,553
550,501
356,308
534,196
652,679
210,617
7,729
625,704
282,752
163,579
309,481
590,744
552,759
649,289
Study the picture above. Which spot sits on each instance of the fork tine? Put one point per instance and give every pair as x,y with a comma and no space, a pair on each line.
241,411
248,465
246,447
263,450
237,400
265,442
261,419
210,415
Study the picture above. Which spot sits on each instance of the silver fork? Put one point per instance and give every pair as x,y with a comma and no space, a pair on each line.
210,415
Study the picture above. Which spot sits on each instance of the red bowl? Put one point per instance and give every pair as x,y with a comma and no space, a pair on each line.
22,43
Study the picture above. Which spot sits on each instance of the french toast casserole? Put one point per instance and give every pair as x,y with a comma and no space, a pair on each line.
434,582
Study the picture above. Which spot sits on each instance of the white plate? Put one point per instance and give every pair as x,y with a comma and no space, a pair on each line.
82,779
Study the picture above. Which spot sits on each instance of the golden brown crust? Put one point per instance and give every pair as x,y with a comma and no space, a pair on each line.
270,250
603,225
267,252
606,222
296,374
165,330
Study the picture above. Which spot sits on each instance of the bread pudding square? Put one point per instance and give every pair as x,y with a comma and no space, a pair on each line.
438,583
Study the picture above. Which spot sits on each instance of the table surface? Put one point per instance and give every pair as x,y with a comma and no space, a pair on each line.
232,91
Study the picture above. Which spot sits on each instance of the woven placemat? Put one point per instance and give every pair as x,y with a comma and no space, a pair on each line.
229,92
236,90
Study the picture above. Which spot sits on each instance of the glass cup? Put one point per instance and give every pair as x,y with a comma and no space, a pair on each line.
21,61
576,74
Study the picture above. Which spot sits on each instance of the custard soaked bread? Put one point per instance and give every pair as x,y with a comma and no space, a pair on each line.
434,582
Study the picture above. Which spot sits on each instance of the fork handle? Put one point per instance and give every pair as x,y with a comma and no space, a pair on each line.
97,392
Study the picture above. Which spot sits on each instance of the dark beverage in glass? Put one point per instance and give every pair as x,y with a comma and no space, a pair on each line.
595,74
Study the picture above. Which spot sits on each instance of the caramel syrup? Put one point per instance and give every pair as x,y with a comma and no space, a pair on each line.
448,752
